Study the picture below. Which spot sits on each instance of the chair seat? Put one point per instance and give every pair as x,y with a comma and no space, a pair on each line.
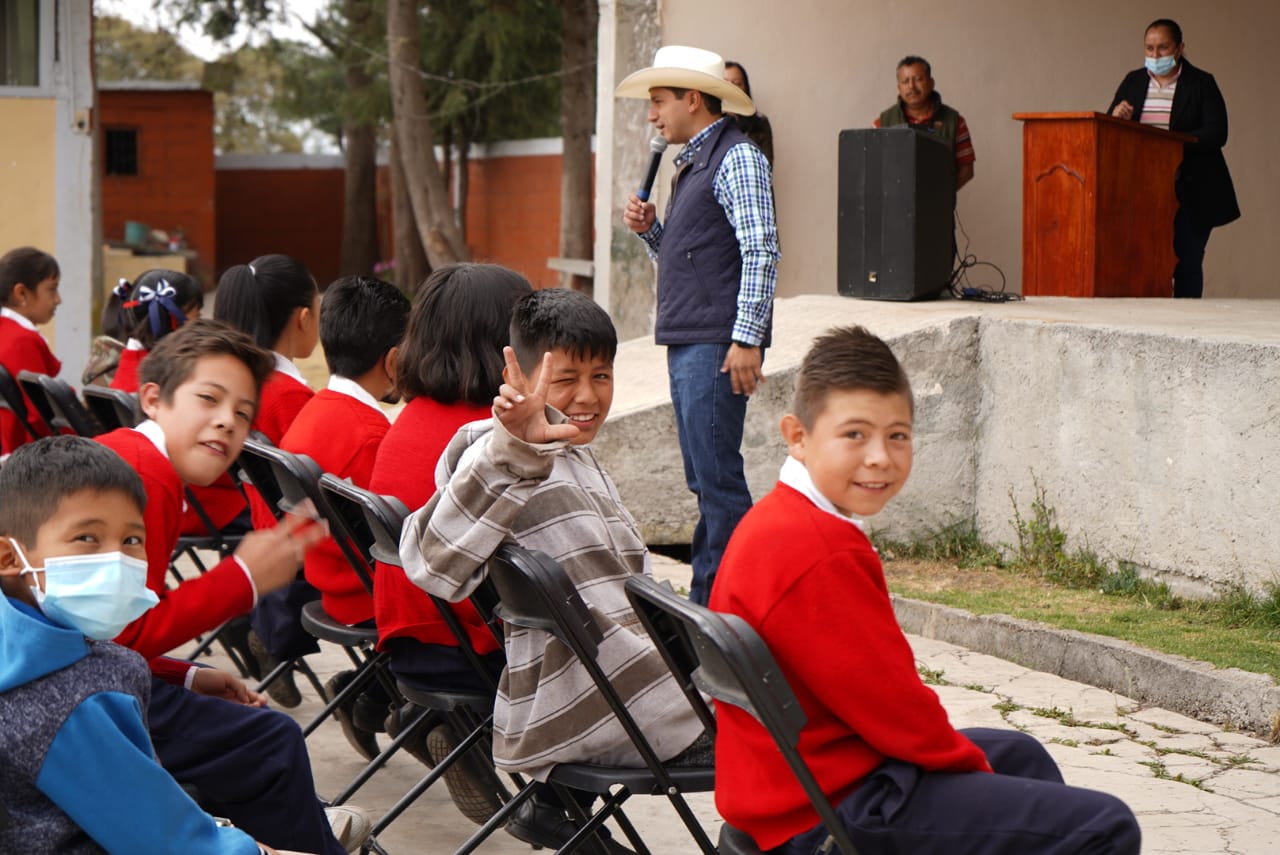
599,779
445,701
317,622
735,841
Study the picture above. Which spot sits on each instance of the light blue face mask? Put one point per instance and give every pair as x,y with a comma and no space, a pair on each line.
1161,65
98,595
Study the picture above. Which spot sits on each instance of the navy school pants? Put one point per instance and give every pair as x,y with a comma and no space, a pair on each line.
1023,809
249,764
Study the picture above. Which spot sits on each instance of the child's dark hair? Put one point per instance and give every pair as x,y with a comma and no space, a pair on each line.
847,359
361,318
26,265
561,319
39,475
174,358
452,350
152,306
261,296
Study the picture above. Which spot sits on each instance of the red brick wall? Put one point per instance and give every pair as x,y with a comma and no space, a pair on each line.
297,212
174,187
513,215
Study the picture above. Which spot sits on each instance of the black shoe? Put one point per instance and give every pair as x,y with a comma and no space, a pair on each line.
283,690
234,635
362,741
546,825
400,718
473,784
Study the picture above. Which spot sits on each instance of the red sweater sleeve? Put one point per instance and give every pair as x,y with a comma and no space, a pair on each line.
172,671
202,602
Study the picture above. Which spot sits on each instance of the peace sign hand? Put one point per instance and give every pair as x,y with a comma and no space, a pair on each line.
522,410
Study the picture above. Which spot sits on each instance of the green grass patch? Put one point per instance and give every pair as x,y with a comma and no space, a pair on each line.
1045,581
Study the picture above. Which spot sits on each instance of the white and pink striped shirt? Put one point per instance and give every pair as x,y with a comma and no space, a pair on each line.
1159,103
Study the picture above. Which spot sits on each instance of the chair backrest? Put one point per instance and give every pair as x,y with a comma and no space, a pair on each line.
254,470
298,477
114,408
12,400
535,592
68,410
384,518
722,655
29,382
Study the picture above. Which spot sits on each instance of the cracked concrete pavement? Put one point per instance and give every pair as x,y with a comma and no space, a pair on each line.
1195,787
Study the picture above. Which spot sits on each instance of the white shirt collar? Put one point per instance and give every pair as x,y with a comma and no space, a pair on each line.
796,476
286,366
347,386
20,320
134,344
152,431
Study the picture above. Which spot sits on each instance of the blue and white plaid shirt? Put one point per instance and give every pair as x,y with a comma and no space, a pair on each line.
743,185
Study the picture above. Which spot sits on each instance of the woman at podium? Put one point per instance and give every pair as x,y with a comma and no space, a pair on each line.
1169,92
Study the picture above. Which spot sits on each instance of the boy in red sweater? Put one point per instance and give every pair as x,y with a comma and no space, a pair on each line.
362,320
199,391
877,739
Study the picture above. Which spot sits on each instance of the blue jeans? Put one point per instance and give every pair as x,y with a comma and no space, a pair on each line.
709,422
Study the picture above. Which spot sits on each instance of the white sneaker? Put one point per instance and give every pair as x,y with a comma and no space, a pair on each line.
351,825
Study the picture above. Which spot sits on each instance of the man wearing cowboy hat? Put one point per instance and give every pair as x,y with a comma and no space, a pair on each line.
717,255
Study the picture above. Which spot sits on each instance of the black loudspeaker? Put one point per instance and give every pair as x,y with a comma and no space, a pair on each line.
896,230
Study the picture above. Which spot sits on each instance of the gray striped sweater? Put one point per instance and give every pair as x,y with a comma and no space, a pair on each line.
552,497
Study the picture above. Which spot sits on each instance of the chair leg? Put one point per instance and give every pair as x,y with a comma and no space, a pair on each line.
378,762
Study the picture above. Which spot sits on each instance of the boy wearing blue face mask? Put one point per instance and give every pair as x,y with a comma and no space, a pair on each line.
78,770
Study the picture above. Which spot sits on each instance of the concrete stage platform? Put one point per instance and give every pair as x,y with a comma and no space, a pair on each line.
1153,426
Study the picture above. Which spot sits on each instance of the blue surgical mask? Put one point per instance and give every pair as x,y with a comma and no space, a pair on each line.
1161,65
98,595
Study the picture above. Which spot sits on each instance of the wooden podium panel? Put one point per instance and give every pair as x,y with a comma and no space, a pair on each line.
1097,206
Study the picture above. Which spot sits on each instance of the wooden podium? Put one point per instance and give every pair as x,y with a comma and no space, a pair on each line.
1097,206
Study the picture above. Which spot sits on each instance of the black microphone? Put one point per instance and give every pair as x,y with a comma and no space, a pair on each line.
657,145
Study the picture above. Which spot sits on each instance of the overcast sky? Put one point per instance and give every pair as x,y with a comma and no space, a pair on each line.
143,13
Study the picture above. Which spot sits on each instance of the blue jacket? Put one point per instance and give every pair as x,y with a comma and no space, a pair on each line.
77,770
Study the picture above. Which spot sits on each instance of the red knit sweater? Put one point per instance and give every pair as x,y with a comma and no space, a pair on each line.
198,604
126,376
811,584
342,435
23,349
406,469
281,400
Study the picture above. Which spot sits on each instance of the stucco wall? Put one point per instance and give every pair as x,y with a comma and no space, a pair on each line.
819,66
28,171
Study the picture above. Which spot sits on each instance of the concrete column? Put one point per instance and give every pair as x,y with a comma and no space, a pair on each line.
78,217
625,279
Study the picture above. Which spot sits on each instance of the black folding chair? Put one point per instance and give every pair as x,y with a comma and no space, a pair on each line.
468,714
114,408
297,480
68,410
29,383
722,655
535,592
11,399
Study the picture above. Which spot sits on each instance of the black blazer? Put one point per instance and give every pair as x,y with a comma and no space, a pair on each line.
1203,184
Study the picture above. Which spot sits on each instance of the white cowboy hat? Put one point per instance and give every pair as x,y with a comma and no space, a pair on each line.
687,68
